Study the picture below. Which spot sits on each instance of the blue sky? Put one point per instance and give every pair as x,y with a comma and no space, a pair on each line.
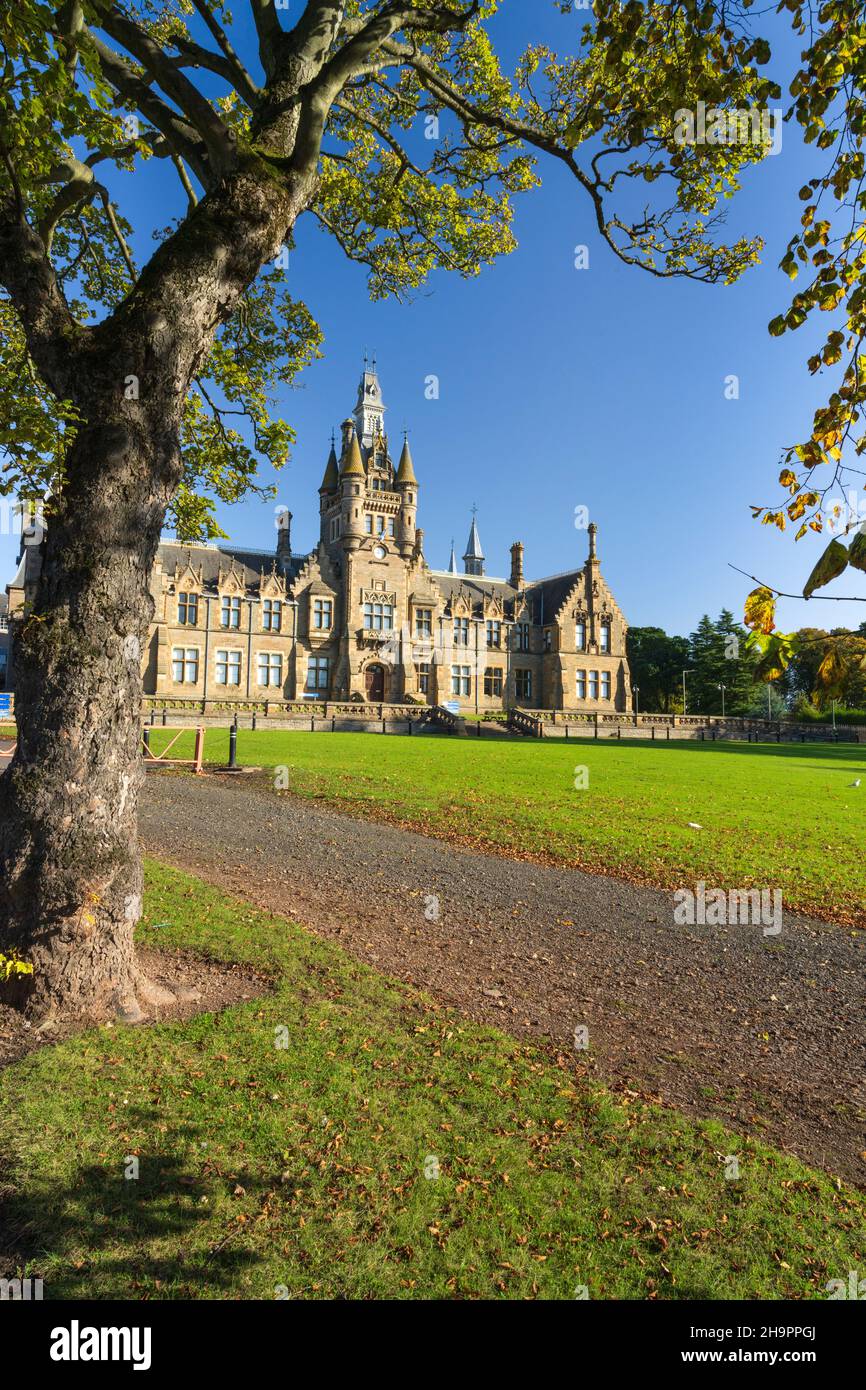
561,388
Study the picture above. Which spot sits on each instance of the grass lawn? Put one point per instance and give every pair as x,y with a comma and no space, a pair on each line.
772,816
312,1168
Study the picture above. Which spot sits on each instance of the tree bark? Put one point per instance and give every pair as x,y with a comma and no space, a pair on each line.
70,872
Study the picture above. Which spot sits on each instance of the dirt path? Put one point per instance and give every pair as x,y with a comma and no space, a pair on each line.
766,1033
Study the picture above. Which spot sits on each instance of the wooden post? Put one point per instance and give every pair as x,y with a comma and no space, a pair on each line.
199,748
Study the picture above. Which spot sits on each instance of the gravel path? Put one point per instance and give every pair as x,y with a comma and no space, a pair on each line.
766,1033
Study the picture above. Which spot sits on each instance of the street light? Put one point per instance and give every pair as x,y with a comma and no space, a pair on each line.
833,705
684,690
636,692
723,688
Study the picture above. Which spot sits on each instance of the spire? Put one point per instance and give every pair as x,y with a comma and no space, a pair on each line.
452,563
474,556
405,472
369,412
352,464
331,479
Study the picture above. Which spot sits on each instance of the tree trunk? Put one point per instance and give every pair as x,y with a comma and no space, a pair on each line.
70,873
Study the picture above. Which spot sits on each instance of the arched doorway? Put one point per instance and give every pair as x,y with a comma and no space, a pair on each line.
375,679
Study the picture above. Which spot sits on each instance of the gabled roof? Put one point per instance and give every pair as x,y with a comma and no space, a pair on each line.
251,566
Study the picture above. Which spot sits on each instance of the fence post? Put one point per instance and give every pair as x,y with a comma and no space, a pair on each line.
164,717
254,721
596,724
383,726
233,747
145,738
312,723
333,723
199,748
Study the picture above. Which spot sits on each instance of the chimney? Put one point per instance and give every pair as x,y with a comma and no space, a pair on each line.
593,532
284,535
419,542
517,565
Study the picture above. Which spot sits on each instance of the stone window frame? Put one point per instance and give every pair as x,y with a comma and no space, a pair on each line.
605,682
189,598
494,626
580,684
268,615
273,660
231,604
230,664
461,680
461,631
184,662
523,677
593,685
493,681
316,667
318,604
423,626
580,634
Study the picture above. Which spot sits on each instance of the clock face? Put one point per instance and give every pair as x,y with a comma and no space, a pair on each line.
379,552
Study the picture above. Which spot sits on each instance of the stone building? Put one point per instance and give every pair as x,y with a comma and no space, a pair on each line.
363,616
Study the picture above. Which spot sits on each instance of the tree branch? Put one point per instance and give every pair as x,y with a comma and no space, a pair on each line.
38,300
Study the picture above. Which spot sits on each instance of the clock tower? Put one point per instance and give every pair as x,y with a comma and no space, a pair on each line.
369,408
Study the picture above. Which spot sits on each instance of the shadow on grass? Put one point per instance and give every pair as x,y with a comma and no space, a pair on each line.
115,1237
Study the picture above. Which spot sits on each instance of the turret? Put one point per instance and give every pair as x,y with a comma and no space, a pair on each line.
328,490
352,481
473,558
407,485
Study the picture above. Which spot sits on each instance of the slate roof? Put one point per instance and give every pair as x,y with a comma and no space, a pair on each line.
252,565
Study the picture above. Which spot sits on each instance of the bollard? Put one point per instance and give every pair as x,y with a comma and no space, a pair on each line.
164,717
409,729
152,717
233,747
145,738
312,723
333,723
383,726
479,728
254,721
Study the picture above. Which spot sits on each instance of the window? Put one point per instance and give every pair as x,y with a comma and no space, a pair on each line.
523,684
461,632
604,637
378,617
548,639
494,633
380,526
605,685
368,524
335,528
272,615
461,681
580,635
593,685
424,677
390,526
230,611
184,665
317,673
521,639
423,622
187,609
270,668
228,668
581,685
493,680
323,614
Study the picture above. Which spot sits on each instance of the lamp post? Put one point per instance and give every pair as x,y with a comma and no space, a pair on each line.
723,688
684,691
769,706
636,692
833,707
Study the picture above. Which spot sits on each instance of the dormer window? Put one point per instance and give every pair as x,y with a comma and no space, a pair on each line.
230,611
272,615
187,609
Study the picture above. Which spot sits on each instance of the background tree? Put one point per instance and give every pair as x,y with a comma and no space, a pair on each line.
719,655
656,662
119,380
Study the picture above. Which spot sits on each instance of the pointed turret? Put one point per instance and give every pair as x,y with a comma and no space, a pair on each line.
352,465
452,563
473,558
405,471
331,480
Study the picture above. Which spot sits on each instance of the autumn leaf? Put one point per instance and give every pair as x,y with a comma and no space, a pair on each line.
830,566
857,550
760,610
